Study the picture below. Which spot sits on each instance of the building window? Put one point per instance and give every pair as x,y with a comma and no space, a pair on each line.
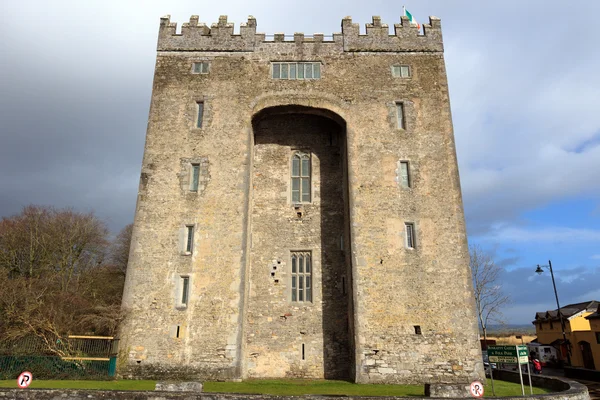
184,291
400,71
200,67
404,176
195,177
400,115
292,70
541,326
200,114
598,337
417,329
551,325
301,287
300,178
410,235
189,244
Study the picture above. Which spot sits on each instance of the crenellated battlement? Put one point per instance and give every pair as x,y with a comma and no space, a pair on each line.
197,36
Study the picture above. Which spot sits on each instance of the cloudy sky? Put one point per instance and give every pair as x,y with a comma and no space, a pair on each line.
76,77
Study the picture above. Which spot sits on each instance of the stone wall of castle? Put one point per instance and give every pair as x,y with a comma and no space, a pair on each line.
406,314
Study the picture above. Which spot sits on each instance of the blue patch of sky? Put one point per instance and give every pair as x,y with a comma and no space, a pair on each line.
588,144
565,252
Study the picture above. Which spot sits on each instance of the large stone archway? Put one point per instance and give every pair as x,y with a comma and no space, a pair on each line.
299,311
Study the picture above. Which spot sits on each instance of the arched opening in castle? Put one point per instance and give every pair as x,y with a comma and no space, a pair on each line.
299,225
299,211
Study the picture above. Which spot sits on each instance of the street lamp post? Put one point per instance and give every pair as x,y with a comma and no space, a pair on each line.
539,270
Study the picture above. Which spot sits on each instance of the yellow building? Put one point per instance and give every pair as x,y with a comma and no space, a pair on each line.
582,327
594,320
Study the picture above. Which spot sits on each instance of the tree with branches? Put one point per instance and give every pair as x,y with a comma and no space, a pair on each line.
57,278
489,297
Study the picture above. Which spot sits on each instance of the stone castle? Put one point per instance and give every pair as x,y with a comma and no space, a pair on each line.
299,211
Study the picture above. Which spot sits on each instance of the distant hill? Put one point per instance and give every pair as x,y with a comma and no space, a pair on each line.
508,329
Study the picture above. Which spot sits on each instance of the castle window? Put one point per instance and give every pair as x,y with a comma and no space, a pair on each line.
400,115
300,178
400,71
410,235
200,67
551,325
417,329
301,287
189,244
195,177
301,70
200,114
184,291
598,337
404,177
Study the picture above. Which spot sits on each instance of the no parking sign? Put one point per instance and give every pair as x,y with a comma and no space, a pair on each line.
24,379
476,389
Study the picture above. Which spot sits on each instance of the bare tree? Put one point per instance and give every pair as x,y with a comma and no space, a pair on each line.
120,249
55,278
489,297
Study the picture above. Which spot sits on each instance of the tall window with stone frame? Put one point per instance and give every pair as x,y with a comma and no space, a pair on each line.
301,274
300,176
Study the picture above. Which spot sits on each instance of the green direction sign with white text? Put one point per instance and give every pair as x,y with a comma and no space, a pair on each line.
508,354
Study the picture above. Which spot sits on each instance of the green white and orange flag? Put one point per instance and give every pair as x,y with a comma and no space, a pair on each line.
410,17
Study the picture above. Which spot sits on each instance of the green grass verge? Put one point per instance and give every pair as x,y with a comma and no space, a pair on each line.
503,389
277,387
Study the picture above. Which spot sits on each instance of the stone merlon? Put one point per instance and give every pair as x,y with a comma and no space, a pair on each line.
197,36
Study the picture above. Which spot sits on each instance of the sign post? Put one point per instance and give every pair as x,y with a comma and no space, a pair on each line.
511,355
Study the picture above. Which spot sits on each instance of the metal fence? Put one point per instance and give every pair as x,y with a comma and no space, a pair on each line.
71,357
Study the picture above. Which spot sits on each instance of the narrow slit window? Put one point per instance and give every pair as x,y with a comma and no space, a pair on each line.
303,353
410,235
301,287
301,185
177,331
400,115
189,245
404,176
195,177
185,290
200,115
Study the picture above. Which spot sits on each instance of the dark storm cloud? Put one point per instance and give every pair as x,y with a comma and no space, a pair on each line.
76,78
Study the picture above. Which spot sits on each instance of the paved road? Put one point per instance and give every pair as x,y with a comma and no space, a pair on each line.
593,387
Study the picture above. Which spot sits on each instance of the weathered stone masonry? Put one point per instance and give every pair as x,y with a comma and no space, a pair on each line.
383,307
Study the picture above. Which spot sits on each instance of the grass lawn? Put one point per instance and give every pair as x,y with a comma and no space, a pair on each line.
277,387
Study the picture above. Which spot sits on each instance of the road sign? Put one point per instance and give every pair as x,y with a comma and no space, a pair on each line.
24,379
508,354
476,389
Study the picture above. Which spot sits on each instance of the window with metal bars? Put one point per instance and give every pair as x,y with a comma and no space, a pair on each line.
301,287
301,191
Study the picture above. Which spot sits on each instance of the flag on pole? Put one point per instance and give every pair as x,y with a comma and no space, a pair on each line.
411,18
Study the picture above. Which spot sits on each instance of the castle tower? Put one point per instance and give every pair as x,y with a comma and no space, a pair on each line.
299,210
